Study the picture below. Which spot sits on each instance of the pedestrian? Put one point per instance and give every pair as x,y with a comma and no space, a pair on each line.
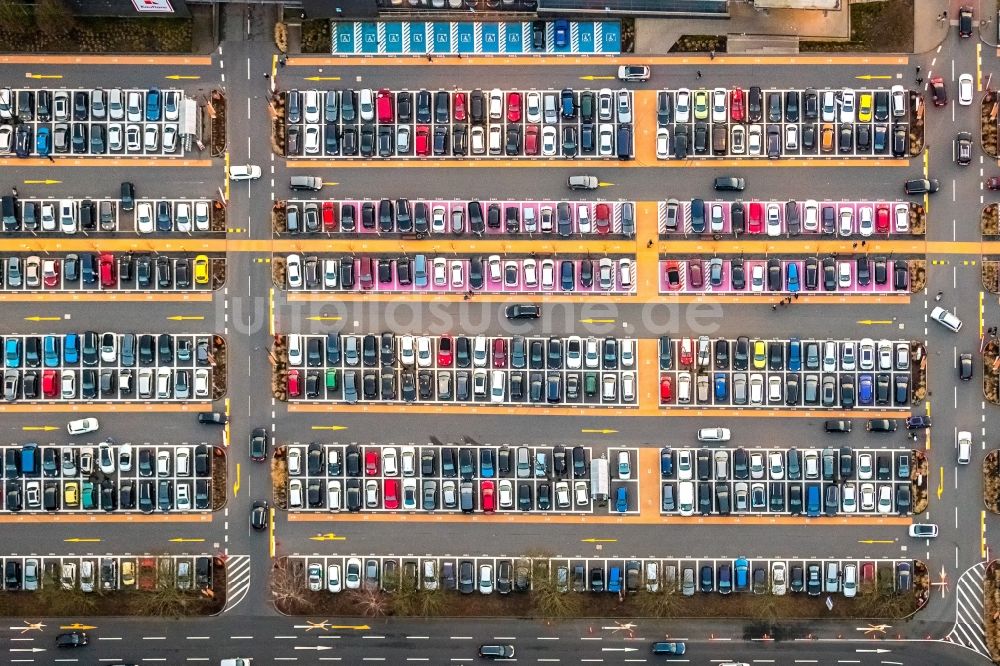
944,14
649,243
863,243
51,159
920,80
430,58
281,61
918,69
698,74
267,75
938,296
711,55
855,244
774,306
796,296
465,297
13,191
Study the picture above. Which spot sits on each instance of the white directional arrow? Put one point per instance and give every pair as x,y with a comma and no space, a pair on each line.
313,647
876,650
27,649
619,649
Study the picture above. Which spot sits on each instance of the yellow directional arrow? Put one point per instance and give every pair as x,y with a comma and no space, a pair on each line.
78,626
81,540
870,541
591,77
310,625
322,78
29,75
42,428
322,318
603,184
184,77
183,540
597,321
329,427
236,485
47,181
37,318
593,540
940,482
328,537
599,431
871,322
869,77
185,318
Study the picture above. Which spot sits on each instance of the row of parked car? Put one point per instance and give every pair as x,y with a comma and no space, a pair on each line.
449,123
488,575
172,216
90,122
458,275
105,271
423,217
107,574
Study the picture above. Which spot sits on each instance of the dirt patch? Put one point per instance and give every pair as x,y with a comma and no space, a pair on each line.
918,275
219,480
991,272
700,44
281,36
918,377
317,36
218,272
628,35
279,364
919,474
277,110
279,223
279,477
99,34
218,216
278,271
918,219
991,378
989,220
991,481
216,110
991,594
988,123
218,357
917,108
876,27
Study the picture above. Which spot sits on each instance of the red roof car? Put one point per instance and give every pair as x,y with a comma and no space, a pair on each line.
391,494
736,104
993,183
531,140
687,353
672,274
488,489
666,389
329,216
882,219
423,142
383,105
371,462
513,107
294,387
107,267
602,218
458,106
50,386
499,353
51,278
756,223
444,351
938,91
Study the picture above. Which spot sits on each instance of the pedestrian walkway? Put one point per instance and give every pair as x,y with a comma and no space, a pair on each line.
237,580
968,630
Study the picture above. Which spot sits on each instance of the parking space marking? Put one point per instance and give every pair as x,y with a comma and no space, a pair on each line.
129,162
530,163
104,296
83,406
593,59
105,60
101,517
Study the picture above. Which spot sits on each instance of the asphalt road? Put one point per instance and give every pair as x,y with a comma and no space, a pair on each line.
241,313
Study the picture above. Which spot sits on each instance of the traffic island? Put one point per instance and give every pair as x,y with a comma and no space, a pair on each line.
916,116
989,221
991,610
918,219
220,487
218,217
991,372
277,111
217,272
218,357
918,374
279,365
216,110
918,275
988,123
919,473
279,477
278,271
991,481
991,275
279,221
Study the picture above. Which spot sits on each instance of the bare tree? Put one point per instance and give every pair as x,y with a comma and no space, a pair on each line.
15,17
370,602
54,17
288,591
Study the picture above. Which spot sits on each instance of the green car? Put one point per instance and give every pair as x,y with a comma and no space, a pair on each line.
332,377
89,495
590,384
701,105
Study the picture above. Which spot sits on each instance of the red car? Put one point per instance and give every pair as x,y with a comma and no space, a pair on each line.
993,183
391,494
499,353
329,216
602,218
51,279
107,269
936,85
383,105
695,275
666,389
867,572
458,106
513,107
882,219
687,353
444,351
672,274
755,225
531,140
371,462
489,504
423,141
50,383
294,387
736,105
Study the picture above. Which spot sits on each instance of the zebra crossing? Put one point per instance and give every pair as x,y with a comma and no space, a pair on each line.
968,630
237,580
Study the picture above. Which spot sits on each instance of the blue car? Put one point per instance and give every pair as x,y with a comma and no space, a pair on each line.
561,33
742,574
153,105
792,276
666,463
50,351
794,354
621,500
42,144
486,463
865,389
71,349
12,353
721,386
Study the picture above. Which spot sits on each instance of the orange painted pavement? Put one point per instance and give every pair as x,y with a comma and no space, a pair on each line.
707,297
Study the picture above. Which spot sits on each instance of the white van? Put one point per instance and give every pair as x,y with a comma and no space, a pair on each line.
685,498
683,387
82,426
964,447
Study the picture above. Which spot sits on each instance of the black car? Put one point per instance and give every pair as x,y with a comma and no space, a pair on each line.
73,639
729,184
212,418
258,445
922,186
965,367
259,515
523,311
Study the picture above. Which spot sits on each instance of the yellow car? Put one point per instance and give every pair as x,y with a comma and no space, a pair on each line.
201,269
865,108
759,355
701,105
128,573
71,493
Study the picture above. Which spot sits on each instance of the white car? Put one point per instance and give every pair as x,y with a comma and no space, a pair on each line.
407,357
773,220
844,279
624,106
390,462
868,496
810,215
846,221
333,583
244,172
605,140
143,217
849,498
133,138
965,89
549,272
581,493
866,221
714,434
755,140
663,143
6,139
352,579
778,578
67,216
757,278
151,138
505,492
116,138
946,319
82,426
625,273
884,505
311,141
583,219
791,137
964,447
719,105
530,267
477,140
737,140
902,218
457,273
898,101
682,106
293,271
549,134
201,219
533,107
605,104
624,465
424,352
847,106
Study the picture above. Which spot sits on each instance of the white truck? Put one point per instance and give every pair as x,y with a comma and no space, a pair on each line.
237,661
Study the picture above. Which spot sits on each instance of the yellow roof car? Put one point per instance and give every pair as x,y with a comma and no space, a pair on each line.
71,493
701,104
201,269
865,108
128,573
759,354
